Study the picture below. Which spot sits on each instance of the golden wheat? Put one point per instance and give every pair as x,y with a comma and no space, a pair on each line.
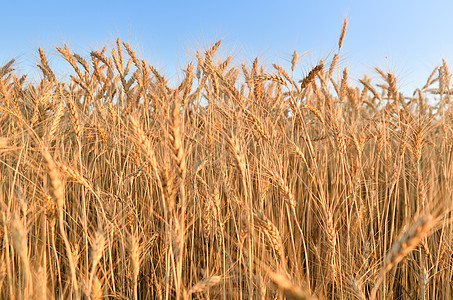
233,183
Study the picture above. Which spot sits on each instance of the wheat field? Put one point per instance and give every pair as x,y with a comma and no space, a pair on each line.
240,182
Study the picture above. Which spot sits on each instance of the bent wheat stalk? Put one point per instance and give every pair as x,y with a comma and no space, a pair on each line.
404,246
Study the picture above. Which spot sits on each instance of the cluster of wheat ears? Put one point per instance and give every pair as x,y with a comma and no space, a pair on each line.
240,183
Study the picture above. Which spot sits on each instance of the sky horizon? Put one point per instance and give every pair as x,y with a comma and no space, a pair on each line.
408,38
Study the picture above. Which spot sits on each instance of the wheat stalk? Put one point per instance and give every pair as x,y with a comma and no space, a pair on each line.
408,241
57,192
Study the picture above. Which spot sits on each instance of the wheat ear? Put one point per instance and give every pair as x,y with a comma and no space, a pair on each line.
290,291
204,284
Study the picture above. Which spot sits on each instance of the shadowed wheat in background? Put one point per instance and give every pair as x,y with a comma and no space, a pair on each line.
239,183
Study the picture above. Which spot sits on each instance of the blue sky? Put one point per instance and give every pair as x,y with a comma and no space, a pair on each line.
408,38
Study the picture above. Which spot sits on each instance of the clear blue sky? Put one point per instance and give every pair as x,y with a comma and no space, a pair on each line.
407,37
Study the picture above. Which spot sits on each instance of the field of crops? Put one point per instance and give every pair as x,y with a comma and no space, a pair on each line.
239,182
